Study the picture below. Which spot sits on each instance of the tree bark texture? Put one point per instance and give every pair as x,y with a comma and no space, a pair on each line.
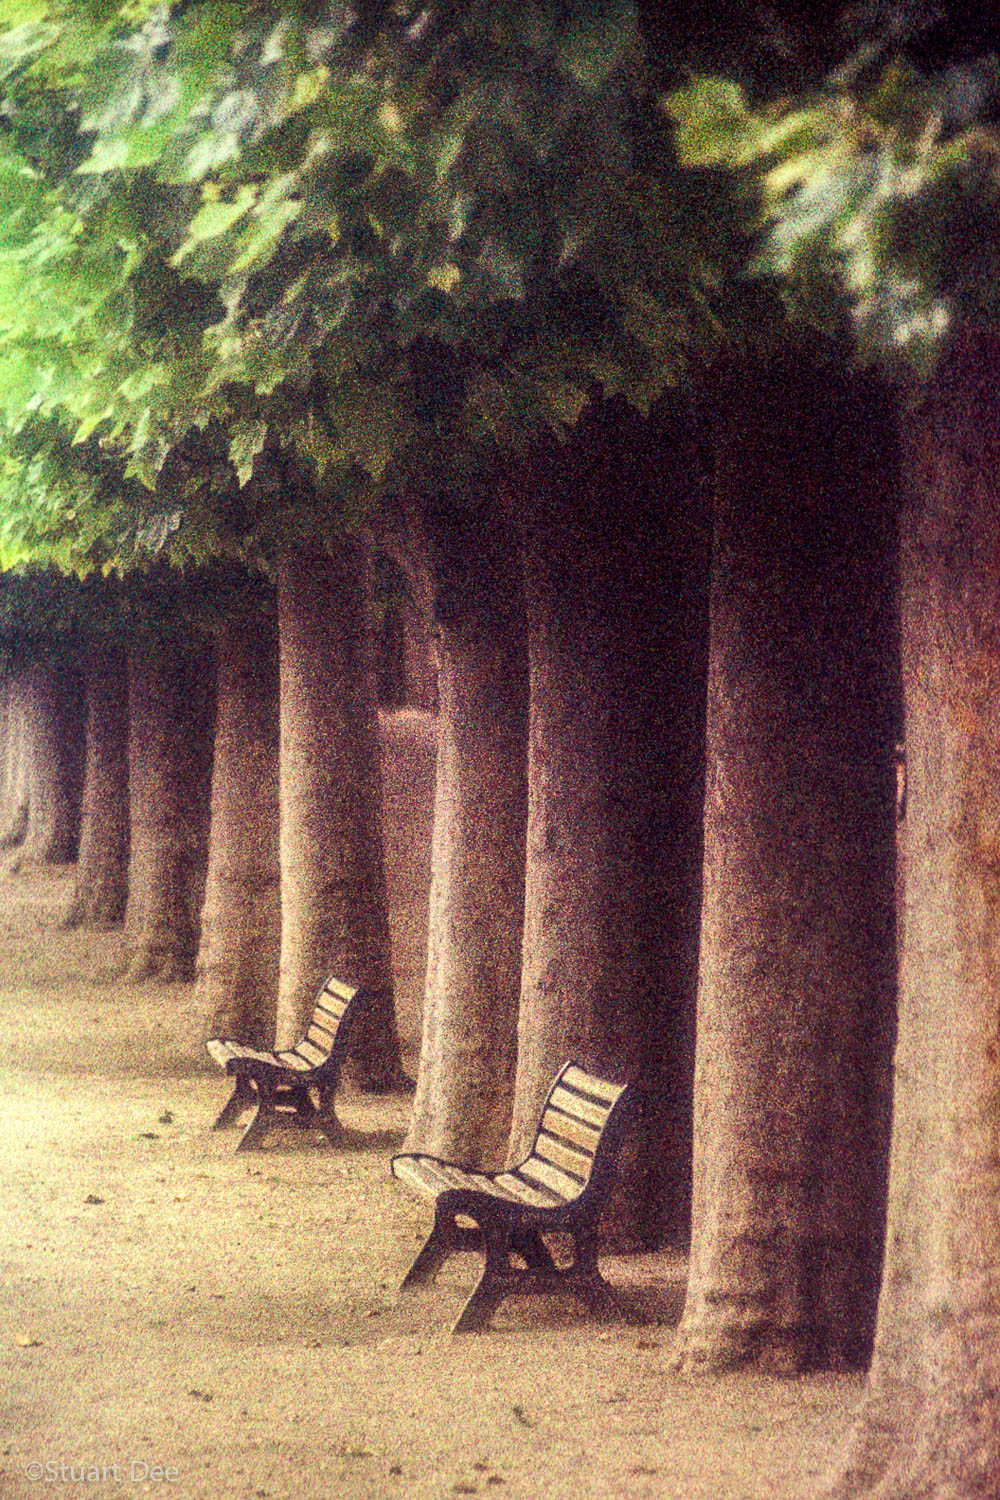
54,763
334,915
468,1051
102,863
171,692
615,557
237,967
929,1425
14,820
797,947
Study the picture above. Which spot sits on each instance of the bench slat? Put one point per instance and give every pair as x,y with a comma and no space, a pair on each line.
579,1108
425,1174
331,1008
338,990
222,1052
561,1183
563,1156
313,1055
293,1060
597,1088
529,1192
569,1129
320,1039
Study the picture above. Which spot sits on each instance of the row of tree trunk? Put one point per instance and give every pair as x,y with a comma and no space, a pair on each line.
726,941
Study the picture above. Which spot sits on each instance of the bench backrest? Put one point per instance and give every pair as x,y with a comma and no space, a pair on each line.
578,1135
328,1028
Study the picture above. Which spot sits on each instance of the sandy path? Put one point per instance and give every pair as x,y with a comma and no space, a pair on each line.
234,1319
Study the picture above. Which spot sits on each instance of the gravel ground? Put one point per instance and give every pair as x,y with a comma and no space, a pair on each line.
183,1321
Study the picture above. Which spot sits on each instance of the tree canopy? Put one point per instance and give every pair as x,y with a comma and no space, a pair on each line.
236,229
260,263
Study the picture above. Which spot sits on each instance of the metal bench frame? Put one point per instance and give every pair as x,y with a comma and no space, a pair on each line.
513,1209
281,1085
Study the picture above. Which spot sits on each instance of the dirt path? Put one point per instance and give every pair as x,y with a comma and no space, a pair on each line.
234,1320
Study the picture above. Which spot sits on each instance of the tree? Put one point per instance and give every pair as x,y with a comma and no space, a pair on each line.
334,914
614,546
237,964
930,1422
15,804
879,191
170,719
464,566
102,862
796,974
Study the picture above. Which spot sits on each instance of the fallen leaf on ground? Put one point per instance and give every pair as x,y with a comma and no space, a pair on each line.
519,1414
200,1395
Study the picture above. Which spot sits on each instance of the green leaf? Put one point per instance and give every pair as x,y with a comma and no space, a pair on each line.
214,219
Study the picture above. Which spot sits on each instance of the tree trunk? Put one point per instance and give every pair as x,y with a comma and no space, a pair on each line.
102,864
53,755
929,1425
467,1060
169,767
241,919
796,972
15,805
334,915
615,560
419,664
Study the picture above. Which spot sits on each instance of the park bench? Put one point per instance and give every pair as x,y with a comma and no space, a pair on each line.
560,1187
281,1084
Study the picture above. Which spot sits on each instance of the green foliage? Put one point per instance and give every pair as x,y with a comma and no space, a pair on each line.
254,221
877,191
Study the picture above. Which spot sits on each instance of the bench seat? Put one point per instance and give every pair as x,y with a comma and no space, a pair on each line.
560,1186
294,1086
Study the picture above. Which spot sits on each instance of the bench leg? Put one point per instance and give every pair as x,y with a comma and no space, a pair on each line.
477,1312
528,1243
326,1119
257,1129
496,1282
444,1239
240,1099
584,1279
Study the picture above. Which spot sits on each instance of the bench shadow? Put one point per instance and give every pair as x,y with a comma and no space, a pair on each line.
371,1140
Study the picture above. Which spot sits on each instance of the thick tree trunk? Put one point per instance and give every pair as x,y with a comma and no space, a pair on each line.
419,661
53,742
334,914
169,768
929,1427
14,819
614,579
241,920
796,973
467,1060
102,864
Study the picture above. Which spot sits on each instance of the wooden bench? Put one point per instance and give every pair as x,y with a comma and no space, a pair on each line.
281,1084
561,1186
